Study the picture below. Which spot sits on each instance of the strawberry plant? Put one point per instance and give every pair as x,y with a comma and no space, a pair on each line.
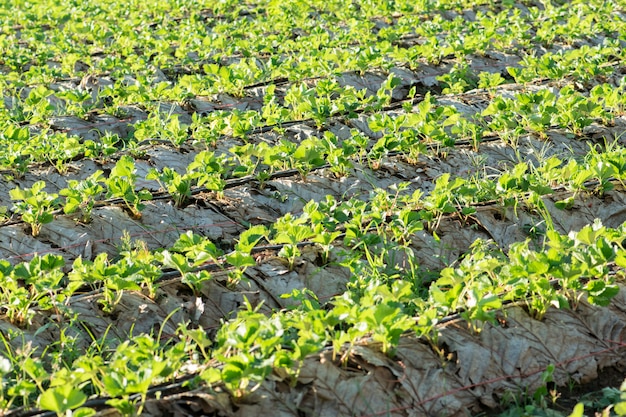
458,80
291,232
308,155
121,184
208,171
178,186
241,258
82,195
198,250
35,205
576,111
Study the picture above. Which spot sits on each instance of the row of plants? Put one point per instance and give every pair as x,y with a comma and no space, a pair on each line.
35,105
208,172
319,104
384,300
40,284
195,33
403,132
37,206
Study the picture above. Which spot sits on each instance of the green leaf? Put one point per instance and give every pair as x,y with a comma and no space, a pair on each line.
125,167
17,194
123,405
175,261
240,259
144,195
249,238
114,387
84,412
294,234
492,302
601,293
61,399
23,388
620,259
565,204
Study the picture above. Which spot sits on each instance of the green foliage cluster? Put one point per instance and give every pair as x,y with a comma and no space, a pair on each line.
296,56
